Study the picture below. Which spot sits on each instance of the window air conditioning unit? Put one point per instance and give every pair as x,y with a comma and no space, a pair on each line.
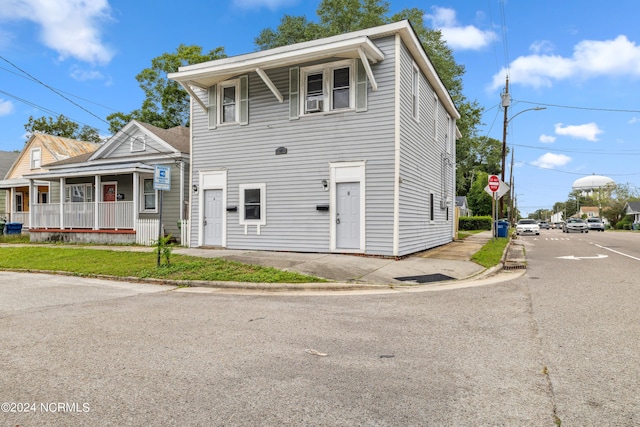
313,105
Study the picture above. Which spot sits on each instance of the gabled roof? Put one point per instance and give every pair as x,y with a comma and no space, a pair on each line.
6,161
585,209
60,148
633,207
357,44
174,143
174,140
461,201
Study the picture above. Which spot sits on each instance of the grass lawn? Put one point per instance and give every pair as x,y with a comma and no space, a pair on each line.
87,262
491,253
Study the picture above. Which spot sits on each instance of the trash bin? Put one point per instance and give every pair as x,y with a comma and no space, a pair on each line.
502,228
2,223
13,228
636,226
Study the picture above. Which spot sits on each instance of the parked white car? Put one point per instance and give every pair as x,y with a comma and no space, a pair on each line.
527,226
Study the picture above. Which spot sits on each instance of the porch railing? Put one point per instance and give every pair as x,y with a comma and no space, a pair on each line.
22,217
46,215
78,215
111,215
115,215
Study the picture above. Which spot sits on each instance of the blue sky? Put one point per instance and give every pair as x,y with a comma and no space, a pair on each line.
579,59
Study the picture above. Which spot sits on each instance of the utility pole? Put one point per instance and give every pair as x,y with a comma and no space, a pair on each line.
513,190
506,101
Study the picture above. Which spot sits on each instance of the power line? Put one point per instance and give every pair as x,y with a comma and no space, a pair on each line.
612,110
59,90
53,90
574,173
599,153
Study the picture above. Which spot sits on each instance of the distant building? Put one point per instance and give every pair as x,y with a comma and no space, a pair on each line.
586,185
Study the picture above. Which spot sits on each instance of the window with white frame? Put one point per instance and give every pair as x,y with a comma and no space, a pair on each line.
415,92
78,193
228,101
327,87
138,143
253,204
149,196
36,158
19,202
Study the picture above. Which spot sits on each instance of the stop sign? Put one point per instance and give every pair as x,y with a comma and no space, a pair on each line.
494,183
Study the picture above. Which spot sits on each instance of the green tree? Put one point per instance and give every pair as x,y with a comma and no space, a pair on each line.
166,104
480,202
340,16
478,154
62,126
612,200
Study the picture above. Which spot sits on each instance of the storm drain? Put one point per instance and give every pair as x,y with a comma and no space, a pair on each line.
426,278
514,267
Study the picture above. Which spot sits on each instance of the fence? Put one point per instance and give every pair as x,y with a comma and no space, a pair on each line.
147,231
184,233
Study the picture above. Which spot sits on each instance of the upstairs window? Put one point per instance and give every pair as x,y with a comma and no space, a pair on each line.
327,87
228,102
415,92
138,143
36,158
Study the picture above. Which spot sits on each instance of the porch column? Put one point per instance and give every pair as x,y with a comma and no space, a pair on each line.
12,204
136,195
62,184
96,197
30,189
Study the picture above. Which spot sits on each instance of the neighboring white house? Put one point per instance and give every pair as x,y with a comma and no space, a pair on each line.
108,196
39,151
344,144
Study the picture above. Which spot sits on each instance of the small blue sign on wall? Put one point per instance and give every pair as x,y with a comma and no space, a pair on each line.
162,178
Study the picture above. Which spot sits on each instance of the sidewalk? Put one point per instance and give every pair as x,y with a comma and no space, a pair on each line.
445,263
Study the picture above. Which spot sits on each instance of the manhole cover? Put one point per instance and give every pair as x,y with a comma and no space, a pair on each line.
426,278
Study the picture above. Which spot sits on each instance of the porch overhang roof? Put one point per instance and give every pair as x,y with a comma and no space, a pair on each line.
210,73
6,184
92,170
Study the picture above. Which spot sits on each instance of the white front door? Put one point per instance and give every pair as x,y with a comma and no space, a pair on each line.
212,222
348,215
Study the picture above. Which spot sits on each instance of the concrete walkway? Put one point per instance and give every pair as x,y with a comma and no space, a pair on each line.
448,262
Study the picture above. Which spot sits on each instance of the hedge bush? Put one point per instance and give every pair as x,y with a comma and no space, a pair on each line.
467,223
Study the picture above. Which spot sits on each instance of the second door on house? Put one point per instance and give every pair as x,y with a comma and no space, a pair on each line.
348,215
213,218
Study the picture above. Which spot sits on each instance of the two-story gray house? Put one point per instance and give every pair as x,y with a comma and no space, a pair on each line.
344,144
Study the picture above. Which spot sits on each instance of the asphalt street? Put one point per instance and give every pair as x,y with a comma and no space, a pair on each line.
555,344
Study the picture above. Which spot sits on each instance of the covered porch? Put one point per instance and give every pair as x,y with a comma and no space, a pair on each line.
19,194
109,206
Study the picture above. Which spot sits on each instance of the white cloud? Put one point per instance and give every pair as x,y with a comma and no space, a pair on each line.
591,58
541,46
547,139
588,131
456,36
550,160
6,107
84,75
269,4
633,120
70,27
